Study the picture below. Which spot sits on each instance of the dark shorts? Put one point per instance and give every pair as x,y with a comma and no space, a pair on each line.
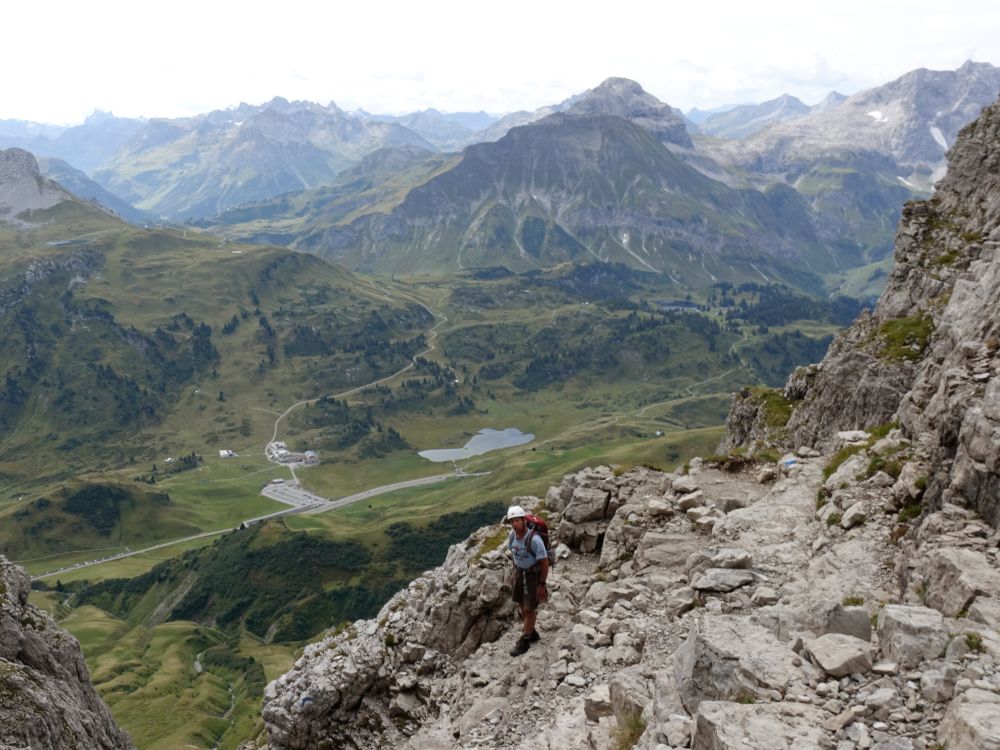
526,588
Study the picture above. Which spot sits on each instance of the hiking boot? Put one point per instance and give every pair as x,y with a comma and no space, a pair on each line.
522,645
534,637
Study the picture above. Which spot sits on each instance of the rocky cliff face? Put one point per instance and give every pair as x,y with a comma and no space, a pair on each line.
707,611
22,187
46,699
928,356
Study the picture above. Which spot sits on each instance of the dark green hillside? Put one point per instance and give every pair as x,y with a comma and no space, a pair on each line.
120,346
90,515
857,199
286,585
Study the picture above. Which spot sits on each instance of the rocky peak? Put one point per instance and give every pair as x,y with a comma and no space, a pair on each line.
16,164
46,698
621,97
747,119
913,120
22,187
830,101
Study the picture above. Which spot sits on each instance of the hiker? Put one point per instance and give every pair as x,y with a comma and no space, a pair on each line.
531,568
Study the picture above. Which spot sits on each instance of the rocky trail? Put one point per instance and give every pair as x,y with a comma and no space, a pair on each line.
704,610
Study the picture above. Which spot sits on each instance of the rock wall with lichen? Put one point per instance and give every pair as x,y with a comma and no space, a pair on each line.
928,355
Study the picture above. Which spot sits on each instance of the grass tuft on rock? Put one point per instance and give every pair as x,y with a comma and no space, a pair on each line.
906,338
630,728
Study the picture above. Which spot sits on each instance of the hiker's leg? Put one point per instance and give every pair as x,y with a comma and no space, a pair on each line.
529,622
518,593
530,602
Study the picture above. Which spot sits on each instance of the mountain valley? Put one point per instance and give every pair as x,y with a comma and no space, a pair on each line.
187,305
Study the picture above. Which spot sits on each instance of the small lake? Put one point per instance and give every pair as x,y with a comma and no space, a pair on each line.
482,442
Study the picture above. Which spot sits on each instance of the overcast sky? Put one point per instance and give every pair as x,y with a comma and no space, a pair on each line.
63,59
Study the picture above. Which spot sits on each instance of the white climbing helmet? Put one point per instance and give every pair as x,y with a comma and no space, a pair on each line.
515,511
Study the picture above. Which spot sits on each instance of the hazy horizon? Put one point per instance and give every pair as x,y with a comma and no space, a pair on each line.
190,58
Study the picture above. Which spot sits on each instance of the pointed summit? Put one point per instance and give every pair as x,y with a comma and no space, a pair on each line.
748,119
623,97
829,102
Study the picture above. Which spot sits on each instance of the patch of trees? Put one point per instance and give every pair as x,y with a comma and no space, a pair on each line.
342,604
775,357
252,576
266,575
777,305
99,505
588,348
222,657
381,443
132,402
13,396
598,281
417,548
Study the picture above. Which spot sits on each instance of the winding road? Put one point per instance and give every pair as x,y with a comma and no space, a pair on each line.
291,492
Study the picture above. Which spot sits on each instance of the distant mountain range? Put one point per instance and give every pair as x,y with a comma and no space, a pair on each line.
747,119
363,188
447,131
911,121
577,188
85,146
76,182
812,194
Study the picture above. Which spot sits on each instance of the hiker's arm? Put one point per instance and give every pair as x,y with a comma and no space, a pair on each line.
543,570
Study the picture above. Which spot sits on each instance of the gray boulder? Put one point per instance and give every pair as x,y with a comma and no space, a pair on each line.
955,577
909,635
840,655
714,663
722,580
969,725
721,725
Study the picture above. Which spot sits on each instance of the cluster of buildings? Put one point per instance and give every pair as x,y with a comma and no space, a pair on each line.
279,453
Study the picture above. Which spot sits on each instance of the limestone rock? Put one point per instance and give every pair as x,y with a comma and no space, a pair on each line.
834,617
22,187
722,579
854,516
714,663
598,703
955,577
941,384
971,726
909,635
46,697
447,613
587,504
666,550
840,655
721,725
